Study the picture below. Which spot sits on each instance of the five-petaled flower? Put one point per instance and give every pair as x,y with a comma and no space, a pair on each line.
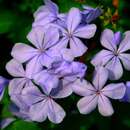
41,105
45,51
47,14
96,94
73,30
116,45
22,78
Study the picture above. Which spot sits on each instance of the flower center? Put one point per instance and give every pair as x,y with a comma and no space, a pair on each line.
116,53
70,35
98,92
49,97
41,50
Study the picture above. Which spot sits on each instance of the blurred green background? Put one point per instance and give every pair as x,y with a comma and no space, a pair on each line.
16,17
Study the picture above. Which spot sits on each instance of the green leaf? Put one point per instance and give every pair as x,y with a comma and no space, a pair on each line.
5,105
65,5
23,125
127,122
7,19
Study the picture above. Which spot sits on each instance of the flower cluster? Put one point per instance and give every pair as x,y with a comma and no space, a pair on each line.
48,69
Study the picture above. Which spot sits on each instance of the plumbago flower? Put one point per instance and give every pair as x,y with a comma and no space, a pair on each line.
44,52
72,31
3,84
49,13
5,122
126,97
116,45
22,78
39,55
96,94
42,105
68,69
54,83
61,72
19,110
90,14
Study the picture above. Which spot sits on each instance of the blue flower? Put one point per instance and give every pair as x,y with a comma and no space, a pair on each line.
114,56
3,84
96,94
73,30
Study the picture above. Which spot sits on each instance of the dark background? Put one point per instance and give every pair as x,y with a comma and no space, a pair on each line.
16,17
